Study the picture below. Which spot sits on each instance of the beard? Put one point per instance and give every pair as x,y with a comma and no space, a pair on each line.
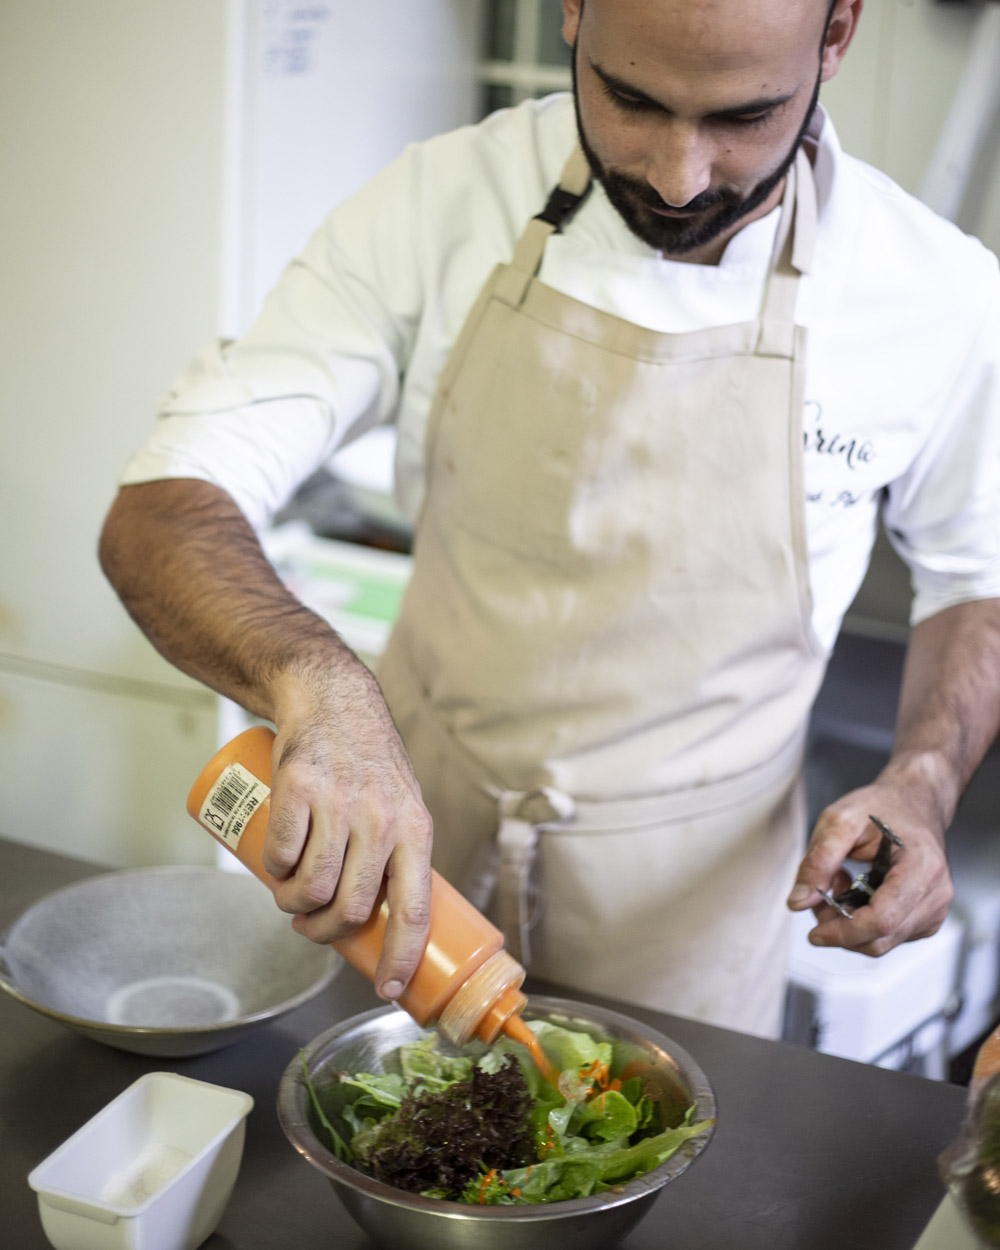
713,212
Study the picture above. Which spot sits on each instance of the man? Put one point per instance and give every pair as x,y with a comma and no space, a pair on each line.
628,575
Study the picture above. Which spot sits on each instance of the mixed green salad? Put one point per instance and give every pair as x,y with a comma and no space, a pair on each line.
486,1127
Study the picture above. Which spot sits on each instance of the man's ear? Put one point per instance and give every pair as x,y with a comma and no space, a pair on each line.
572,9
839,34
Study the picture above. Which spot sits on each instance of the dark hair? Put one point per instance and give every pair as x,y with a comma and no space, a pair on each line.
826,24
829,13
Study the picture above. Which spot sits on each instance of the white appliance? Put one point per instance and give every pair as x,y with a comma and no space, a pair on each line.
160,161
894,1012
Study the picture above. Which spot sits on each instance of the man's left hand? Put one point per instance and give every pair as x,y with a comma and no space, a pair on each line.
912,901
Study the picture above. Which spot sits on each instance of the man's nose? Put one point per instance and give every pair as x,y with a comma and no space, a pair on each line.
682,165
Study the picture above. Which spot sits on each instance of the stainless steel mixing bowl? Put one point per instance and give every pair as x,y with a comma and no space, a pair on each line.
162,961
394,1218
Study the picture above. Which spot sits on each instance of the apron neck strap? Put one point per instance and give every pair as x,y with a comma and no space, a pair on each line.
793,246
793,253
574,187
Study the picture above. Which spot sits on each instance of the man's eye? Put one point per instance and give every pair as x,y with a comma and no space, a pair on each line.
750,119
629,103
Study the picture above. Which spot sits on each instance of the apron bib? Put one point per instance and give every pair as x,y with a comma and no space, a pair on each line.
606,648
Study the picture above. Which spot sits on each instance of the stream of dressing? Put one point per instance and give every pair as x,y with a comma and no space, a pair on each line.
518,1031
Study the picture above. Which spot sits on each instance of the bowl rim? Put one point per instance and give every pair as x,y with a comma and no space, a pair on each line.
292,1096
10,986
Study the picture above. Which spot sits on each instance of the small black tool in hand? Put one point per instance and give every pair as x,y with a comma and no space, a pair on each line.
861,889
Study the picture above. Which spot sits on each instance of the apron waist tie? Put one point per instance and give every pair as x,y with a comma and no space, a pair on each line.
524,814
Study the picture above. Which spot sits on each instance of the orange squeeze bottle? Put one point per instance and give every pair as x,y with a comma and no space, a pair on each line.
465,982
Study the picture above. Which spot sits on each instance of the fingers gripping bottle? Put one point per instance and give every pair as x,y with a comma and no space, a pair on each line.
465,982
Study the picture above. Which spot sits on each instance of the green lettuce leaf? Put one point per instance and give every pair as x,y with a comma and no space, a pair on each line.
568,1049
591,1169
607,1117
422,1063
335,1141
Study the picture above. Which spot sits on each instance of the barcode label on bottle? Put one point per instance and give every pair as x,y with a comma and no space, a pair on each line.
231,802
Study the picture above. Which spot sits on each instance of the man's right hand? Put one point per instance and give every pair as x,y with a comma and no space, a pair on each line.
346,813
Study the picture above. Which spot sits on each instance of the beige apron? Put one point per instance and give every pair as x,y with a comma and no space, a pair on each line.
606,649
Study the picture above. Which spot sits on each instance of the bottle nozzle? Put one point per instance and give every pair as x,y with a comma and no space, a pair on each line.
512,1003
491,991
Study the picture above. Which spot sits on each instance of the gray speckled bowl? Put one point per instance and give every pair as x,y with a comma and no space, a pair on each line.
162,961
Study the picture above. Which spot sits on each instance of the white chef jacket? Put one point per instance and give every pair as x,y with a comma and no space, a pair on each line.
903,366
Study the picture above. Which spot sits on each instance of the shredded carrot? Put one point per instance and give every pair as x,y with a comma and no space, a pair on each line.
516,1193
486,1184
601,1076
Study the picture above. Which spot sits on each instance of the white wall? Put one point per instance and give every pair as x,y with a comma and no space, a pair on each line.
334,92
893,92
96,310
110,120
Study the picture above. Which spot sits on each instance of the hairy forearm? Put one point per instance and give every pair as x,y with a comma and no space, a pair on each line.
949,709
346,813
191,573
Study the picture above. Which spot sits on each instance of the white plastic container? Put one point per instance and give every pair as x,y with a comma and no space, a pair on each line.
884,1011
153,1170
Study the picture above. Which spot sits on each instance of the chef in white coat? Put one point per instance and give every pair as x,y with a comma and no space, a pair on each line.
656,353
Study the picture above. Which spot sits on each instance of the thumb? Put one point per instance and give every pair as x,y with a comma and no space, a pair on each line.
833,839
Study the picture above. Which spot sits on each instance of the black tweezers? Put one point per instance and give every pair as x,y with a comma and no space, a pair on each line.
861,889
